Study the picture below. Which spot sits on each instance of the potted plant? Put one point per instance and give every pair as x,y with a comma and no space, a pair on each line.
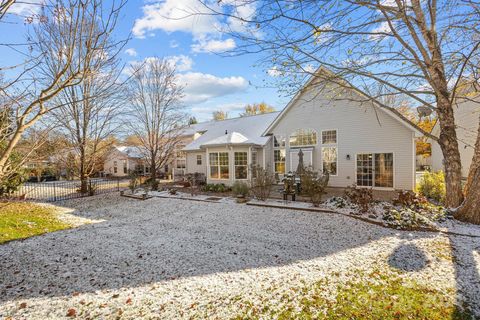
241,191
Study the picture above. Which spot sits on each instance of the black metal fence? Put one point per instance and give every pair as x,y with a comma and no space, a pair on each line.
64,190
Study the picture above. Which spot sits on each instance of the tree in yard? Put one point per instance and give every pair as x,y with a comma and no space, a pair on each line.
409,48
157,116
88,111
220,115
192,120
62,43
257,108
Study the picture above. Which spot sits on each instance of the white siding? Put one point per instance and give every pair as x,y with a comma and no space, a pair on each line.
466,118
360,129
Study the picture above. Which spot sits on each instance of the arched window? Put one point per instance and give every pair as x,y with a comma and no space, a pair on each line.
303,138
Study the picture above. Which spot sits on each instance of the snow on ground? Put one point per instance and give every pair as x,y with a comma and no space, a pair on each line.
169,258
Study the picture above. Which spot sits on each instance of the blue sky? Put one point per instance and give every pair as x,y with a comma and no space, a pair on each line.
212,82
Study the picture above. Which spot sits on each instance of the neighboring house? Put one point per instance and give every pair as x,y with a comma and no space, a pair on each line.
358,144
467,115
123,160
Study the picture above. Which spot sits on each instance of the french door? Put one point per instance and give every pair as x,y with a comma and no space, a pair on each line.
375,169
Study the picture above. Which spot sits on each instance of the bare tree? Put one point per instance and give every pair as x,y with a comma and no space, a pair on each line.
157,116
63,30
407,47
88,111
4,6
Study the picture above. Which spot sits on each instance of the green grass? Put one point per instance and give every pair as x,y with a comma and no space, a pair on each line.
370,296
22,220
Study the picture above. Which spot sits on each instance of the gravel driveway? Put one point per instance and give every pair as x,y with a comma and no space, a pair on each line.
168,258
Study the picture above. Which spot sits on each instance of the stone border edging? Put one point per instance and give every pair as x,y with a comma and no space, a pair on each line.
378,223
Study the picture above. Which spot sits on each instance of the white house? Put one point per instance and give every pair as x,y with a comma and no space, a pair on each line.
122,160
467,116
358,143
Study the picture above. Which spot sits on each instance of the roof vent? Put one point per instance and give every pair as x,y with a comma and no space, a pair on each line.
226,131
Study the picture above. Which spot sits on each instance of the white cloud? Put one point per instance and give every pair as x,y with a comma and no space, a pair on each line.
197,19
182,62
26,8
214,46
200,87
174,44
204,112
131,52
274,72
189,16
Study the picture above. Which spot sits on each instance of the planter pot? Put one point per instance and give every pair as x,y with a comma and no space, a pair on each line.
241,199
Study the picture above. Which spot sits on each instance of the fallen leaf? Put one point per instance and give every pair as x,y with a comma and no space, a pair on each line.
23,305
71,313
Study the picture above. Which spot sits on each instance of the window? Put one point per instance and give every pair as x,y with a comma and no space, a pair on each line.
219,165
279,141
329,160
125,170
199,159
241,165
181,163
115,166
329,137
279,161
303,137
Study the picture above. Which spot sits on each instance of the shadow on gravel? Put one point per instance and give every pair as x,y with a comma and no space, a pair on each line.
467,269
160,240
408,257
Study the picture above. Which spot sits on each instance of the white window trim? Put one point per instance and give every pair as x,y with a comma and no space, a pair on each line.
219,171
306,145
279,148
197,158
321,154
240,165
329,145
373,182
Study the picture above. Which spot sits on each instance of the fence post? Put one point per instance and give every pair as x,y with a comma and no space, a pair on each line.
54,191
118,185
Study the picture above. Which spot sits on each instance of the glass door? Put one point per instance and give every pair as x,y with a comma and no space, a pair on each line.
375,169
384,170
365,170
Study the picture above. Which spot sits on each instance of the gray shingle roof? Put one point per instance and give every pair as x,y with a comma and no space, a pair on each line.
238,131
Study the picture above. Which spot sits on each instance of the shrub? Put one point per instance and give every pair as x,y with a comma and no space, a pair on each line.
212,187
261,184
407,198
313,186
134,182
362,197
432,186
11,183
407,218
240,189
337,202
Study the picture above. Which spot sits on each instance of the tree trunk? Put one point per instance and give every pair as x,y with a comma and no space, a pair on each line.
470,209
449,145
83,173
153,174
